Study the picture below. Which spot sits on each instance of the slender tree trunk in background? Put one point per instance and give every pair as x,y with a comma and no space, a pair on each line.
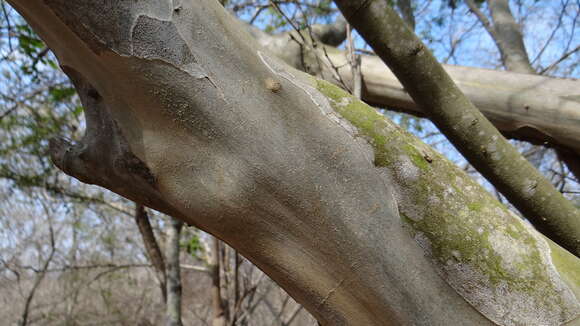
237,303
359,221
173,273
354,61
73,290
406,8
152,248
219,308
508,37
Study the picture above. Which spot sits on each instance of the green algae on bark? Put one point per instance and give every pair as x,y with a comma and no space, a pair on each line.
496,261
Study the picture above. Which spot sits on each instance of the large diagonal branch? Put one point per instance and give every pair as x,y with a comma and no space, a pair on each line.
103,156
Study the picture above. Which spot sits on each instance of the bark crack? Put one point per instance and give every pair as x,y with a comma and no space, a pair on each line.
338,285
333,290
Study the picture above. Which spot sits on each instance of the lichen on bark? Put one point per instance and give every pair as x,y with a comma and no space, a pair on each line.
491,257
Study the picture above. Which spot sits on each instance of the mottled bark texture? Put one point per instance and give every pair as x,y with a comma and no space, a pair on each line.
359,221
462,123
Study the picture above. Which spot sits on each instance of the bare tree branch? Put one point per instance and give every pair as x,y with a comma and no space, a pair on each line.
39,277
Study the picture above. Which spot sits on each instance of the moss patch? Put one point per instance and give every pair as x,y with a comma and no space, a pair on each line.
462,224
416,157
474,207
568,266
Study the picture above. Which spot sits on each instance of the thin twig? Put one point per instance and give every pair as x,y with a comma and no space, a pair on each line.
9,26
552,34
562,58
40,277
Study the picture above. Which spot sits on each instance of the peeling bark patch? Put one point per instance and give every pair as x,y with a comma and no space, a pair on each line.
407,168
107,25
525,294
155,39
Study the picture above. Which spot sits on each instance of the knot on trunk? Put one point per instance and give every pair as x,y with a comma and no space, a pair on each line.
104,157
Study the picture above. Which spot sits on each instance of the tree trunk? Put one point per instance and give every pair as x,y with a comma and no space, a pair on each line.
508,38
173,314
151,248
359,221
219,309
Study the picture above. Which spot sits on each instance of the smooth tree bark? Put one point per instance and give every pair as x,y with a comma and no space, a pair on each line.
462,123
359,221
